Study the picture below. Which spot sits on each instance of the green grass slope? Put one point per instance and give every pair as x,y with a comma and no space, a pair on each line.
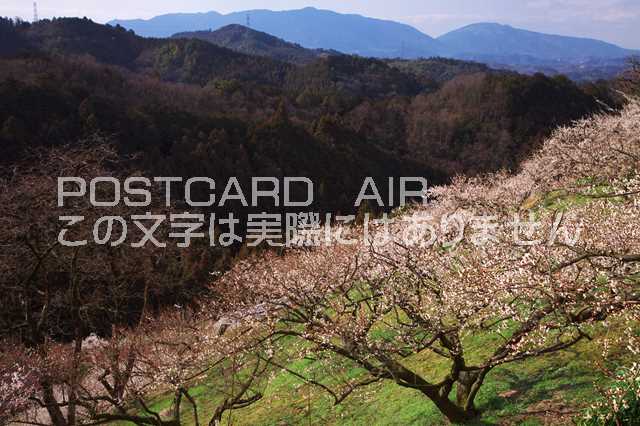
551,390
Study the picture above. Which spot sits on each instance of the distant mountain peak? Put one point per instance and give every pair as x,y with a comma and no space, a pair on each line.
233,33
494,39
236,27
238,30
487,25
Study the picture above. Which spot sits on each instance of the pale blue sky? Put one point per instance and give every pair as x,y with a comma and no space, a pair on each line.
617,21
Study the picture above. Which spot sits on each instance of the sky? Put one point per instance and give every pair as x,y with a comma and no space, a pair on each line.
616,21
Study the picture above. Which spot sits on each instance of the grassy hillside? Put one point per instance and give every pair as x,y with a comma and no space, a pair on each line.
553,390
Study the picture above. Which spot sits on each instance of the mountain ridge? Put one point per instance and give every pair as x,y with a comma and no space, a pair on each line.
310,27
497,45
252,42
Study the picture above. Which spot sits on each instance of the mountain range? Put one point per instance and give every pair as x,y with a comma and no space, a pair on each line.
309,27
355,34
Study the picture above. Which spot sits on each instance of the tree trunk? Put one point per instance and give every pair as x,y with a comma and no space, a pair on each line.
438,394
464,390
216,420
453,412
75,379
53,408
176,408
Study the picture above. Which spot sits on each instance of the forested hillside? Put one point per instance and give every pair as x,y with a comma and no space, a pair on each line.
184,107
60,84
252,42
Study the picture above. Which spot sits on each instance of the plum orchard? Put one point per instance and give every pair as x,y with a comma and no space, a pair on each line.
373,306
98,381
370,306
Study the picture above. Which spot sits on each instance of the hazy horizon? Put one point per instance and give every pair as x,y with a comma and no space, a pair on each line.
614,21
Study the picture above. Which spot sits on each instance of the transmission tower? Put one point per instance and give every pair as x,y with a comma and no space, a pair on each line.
248,20
35,12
